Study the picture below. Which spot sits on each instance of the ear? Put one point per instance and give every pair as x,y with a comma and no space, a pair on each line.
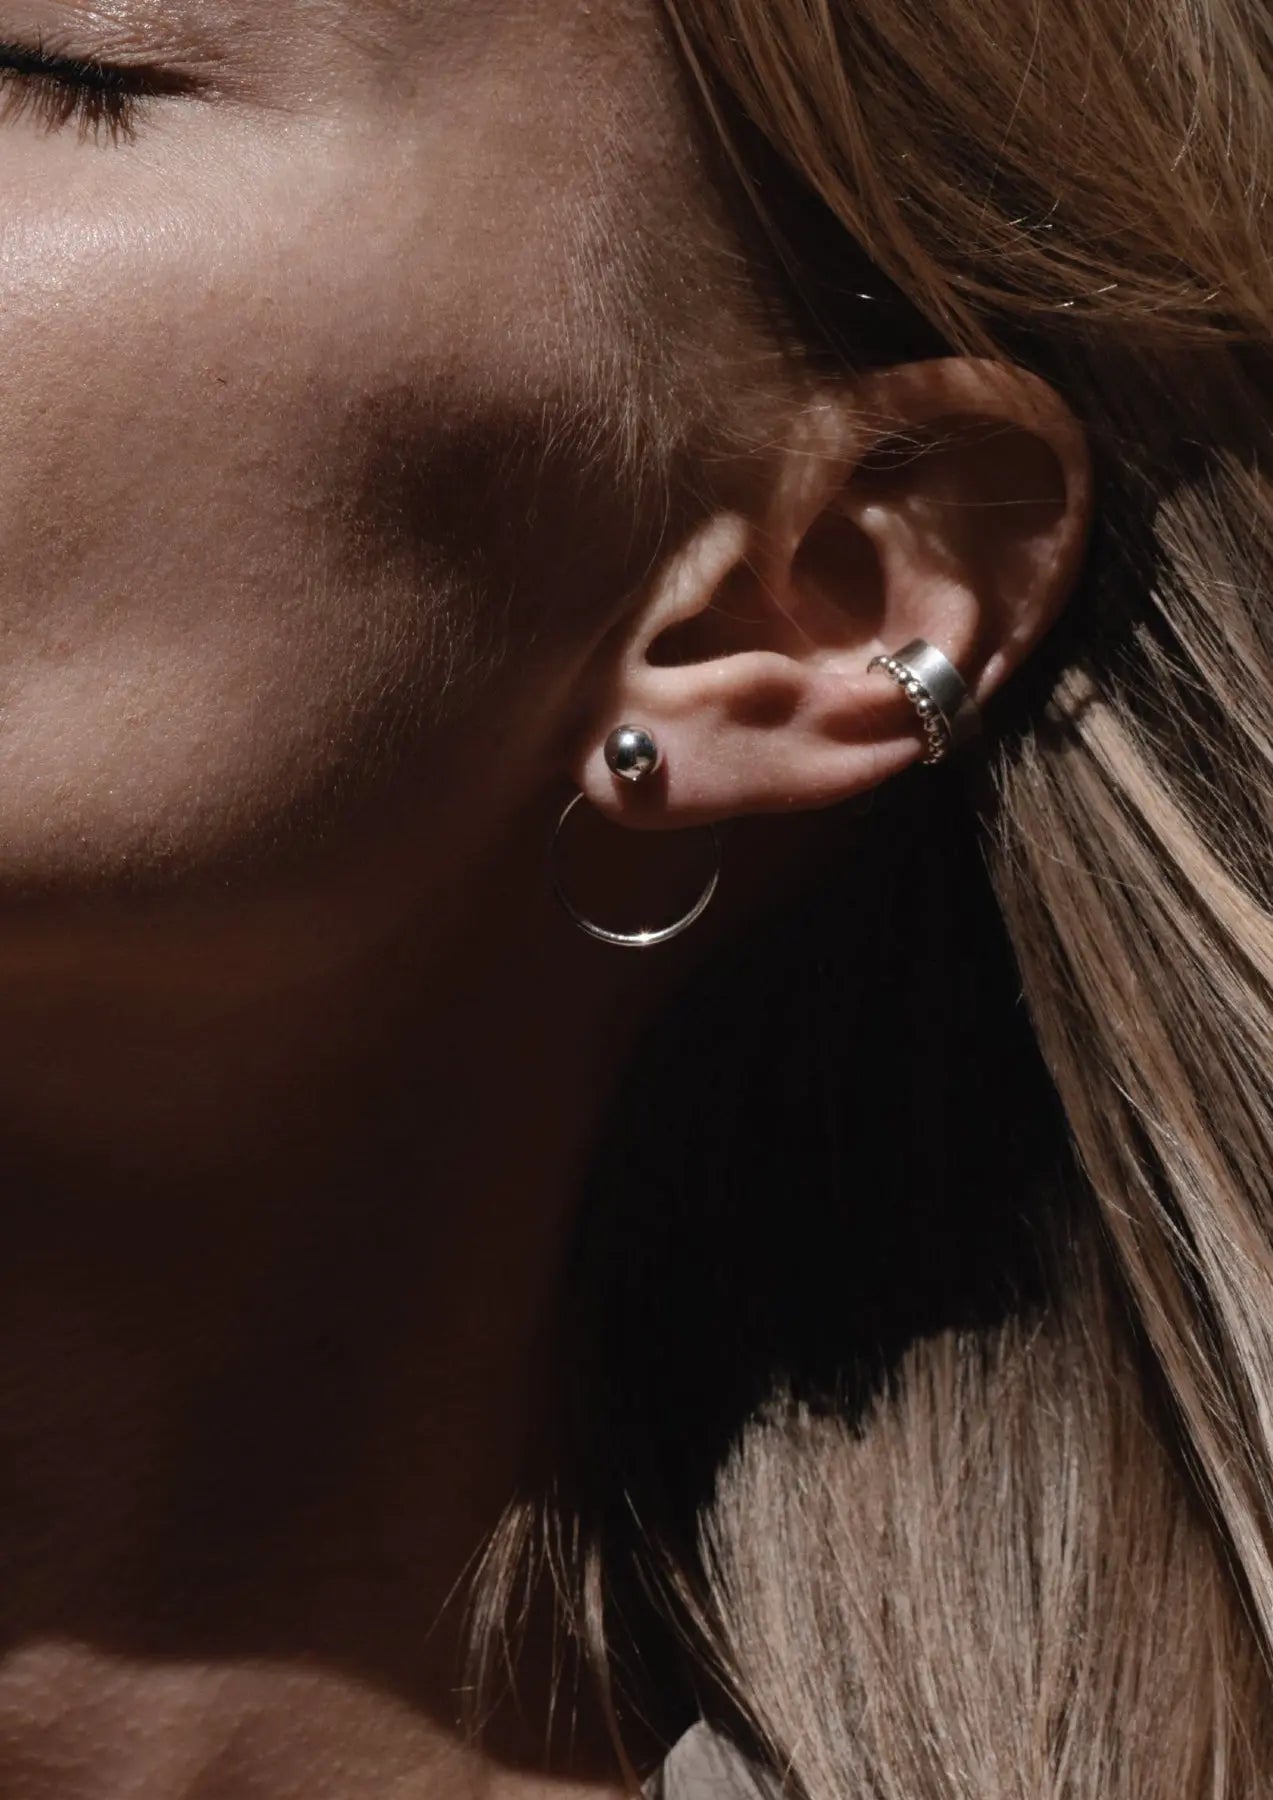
948,500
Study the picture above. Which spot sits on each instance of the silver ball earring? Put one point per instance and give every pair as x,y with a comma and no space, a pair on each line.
632,752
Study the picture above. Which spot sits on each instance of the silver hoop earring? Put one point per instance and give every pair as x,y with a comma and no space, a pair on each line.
937,691
632,753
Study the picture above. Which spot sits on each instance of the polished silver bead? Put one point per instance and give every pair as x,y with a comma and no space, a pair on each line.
632,753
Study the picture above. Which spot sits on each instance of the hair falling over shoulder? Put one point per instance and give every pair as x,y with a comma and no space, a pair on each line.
1036,1561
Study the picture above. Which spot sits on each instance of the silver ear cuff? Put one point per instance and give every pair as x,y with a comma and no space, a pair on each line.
931,682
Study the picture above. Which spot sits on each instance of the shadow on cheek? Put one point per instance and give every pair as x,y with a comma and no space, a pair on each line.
542,524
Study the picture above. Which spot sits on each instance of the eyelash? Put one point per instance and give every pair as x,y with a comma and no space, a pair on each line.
63,90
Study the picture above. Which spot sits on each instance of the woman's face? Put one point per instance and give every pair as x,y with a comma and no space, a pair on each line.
321,368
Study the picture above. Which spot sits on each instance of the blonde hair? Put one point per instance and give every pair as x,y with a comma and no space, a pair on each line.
1038,1559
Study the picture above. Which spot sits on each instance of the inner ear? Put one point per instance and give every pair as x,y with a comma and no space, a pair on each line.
826,595
981,503
982,500
736,618
838,580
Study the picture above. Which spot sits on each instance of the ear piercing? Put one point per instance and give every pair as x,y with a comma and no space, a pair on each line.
633,754
930,681
936,689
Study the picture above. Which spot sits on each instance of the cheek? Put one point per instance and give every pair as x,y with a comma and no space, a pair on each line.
289,468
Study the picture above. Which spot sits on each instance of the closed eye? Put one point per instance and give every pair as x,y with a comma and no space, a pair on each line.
55,91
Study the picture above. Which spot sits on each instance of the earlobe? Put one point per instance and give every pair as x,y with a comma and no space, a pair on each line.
943,504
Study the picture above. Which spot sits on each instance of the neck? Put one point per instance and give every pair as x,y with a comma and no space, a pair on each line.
280,1267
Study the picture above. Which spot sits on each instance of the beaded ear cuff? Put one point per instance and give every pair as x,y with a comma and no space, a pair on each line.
936,689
